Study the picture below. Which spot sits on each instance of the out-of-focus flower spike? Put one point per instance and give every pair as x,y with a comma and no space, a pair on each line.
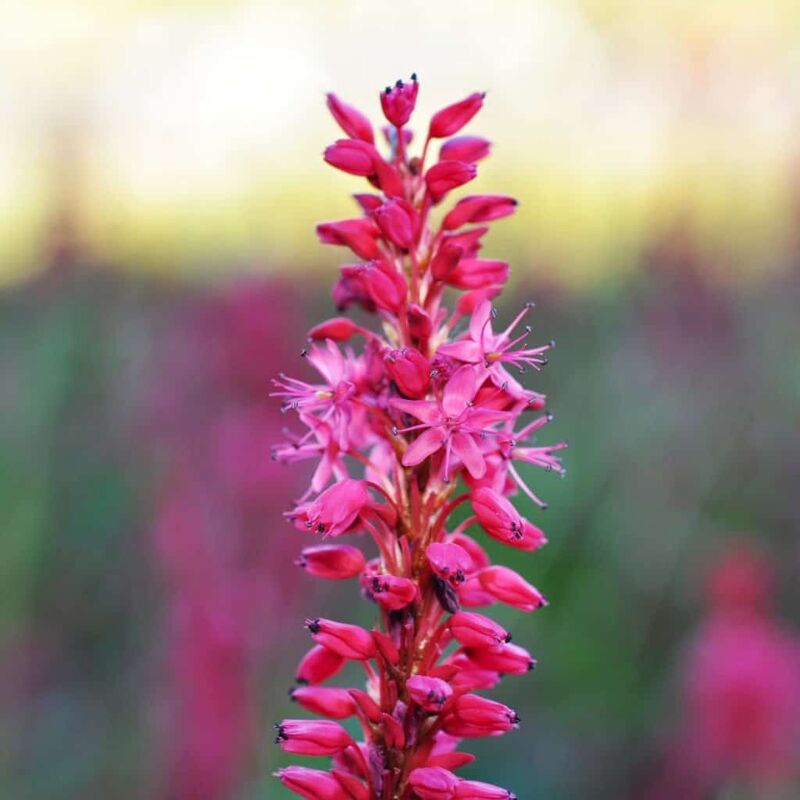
453,118
350,119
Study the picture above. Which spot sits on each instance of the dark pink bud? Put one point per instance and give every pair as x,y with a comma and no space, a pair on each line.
386,647
338,329
446,260
472,594
398,221
348,641
410,370
350,120
389,179
332,561
359,235
476,630
311,784
478,790
355,789
398,101
352,156
429,693
453,118
465,148
469,676
468,302
477,555
325,701
393,733
472,716
503,522
385,285
477,273
336,510
389,591
368,202
479,208
433,783
368,706
451,760
318,665
449,561
448,175
420,325
469,240
508,659
312,737
511,588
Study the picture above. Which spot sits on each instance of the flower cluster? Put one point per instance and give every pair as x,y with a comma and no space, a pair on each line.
426,405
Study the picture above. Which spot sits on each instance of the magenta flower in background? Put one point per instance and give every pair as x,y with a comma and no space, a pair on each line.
395,427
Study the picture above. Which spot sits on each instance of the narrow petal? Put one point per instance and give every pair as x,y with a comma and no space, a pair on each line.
465,350
424,410
423,446
470,454
459,391
478,322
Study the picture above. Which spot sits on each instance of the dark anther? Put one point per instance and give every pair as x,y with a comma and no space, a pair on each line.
508,638
320,527
314,626
399,83
303,353
388,90
446,596
414,77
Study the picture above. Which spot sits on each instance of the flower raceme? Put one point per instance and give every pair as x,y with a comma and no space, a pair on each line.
427,404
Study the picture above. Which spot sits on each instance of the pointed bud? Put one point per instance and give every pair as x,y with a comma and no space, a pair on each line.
410,370
479,208
473,716
446,260
312,737
311,784
352,156
448,175
511,588
383,284
386,647
478,790
350,119
503,522
337,329
398,102
465,148
368,706
451,760
389,180
469,676
358,234
472,594
469,240
453,118
349,641
318,665
393,732
477,273
355,789
449,561
509,659
325,701
420,325
433,783
398,221
332,561
476,630
429,693
389,591
368,202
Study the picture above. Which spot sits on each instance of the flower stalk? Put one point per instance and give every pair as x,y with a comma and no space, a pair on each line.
427,405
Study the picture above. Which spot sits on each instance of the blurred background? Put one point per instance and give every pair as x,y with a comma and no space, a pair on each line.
160,177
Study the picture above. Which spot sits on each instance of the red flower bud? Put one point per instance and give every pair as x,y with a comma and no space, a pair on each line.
420,325
352,156
469,301
472,594
430,693
477,555
386,647
478,790
309,737
465,148
368,202
350,119
318,665
325,701
476,273
393,733
448,175
446,260
466,675
479,208
473,716
469,240
453,118
389,591
511,588
348,641
332,561
475,630
311,784
433,783
508,659
358,234
335,510
339,329
398,221
368,706
503,522
410,370
449,561
355,789
388,178
398,101
451,760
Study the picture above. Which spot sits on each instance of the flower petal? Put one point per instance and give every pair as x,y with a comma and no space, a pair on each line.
424,445
478,322
466,448
459,391
425,410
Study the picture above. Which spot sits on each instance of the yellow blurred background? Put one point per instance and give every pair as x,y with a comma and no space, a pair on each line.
174,137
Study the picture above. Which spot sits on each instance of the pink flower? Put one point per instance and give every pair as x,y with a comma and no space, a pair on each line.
511,588
452,424
332,561
503,522
319,664
312,737
509,659
475,630
478,790
335,511
430,693
398,101
348,641
473,716
410,370
325,701
433,783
